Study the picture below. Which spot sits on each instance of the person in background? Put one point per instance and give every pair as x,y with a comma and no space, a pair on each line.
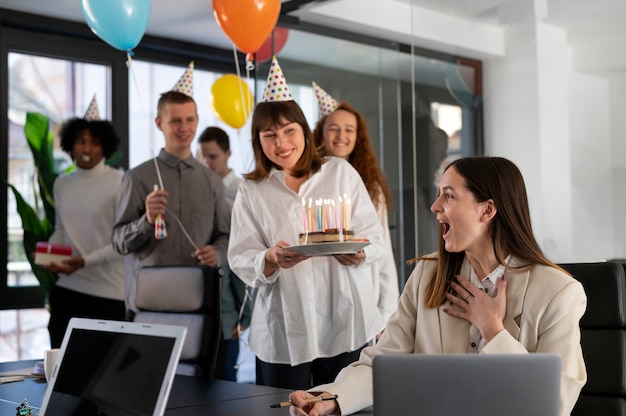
488,290
91,282
311,315
214,150
174,187
342,132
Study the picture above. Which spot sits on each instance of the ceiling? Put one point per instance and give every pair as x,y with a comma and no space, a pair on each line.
595,29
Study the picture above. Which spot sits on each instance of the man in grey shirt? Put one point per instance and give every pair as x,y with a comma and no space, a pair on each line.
190,200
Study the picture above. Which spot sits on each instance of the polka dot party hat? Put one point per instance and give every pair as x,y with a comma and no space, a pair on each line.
92,112
327,103
185,83
276,88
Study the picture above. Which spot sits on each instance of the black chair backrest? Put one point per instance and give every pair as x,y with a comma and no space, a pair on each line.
603,338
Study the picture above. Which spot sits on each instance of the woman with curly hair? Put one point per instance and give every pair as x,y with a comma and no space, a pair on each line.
343,133
91,282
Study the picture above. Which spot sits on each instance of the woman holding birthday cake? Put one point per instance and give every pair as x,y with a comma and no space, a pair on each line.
312,314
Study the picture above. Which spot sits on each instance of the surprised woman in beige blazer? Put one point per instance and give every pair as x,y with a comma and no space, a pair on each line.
488,290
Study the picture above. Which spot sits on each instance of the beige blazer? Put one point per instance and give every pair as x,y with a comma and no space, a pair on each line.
544,307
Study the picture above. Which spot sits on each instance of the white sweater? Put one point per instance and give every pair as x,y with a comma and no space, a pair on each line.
86,200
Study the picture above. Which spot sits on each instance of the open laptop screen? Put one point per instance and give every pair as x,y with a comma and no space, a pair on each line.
111,373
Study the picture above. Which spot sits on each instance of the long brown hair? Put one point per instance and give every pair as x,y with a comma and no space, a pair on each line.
511,232
268,114
362,158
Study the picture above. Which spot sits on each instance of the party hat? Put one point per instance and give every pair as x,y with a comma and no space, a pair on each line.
92,112
276,88
327,103
185,83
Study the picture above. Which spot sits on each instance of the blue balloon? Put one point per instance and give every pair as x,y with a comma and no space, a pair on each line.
120,23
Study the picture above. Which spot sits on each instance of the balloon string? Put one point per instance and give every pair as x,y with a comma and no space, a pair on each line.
132,72
244,103
154,158
182,227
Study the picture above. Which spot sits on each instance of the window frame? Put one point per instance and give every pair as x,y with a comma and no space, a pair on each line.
45,36
14,38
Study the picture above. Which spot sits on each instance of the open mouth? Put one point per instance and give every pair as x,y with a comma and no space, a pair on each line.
446,229
85,158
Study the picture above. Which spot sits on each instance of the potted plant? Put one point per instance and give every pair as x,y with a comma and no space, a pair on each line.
38,220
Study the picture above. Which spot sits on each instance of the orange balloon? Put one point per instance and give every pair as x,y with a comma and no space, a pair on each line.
247,23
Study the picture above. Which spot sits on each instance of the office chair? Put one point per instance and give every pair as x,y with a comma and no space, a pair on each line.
187,296
603,338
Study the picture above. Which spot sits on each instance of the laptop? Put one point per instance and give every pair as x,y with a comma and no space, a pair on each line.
467,384
111,368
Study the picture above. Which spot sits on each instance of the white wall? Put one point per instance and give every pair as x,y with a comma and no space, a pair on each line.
559,127
617,149
564,128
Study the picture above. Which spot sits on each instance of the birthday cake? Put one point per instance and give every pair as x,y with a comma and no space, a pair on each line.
326,221
330,235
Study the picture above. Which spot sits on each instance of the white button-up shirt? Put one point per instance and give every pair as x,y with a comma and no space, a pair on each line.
318,308
488,285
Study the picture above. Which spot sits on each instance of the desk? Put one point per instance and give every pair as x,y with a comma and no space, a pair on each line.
190,396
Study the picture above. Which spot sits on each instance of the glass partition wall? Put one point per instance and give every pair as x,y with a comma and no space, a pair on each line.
422,108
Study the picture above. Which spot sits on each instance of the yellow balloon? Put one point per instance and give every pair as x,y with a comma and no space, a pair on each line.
232,100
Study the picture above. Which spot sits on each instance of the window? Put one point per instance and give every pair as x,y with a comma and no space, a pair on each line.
404,96
57,79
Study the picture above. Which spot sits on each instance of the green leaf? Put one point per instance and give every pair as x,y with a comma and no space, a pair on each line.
40,141
30,220
114,158
35,230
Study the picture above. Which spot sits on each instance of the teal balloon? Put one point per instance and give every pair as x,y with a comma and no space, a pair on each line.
120,23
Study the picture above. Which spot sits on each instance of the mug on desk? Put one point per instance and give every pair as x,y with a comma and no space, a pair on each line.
49,359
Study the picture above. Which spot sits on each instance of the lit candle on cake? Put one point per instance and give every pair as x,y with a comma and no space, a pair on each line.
304,227
348,212
318,204
341,211
311,228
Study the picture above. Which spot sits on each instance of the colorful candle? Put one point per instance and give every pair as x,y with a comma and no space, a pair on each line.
341,212
311,229
304,226
348,212
318,205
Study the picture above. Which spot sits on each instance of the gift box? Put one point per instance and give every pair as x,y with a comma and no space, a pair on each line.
46,253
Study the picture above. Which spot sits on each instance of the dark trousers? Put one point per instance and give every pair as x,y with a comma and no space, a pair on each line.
226,365
304,376
66,304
